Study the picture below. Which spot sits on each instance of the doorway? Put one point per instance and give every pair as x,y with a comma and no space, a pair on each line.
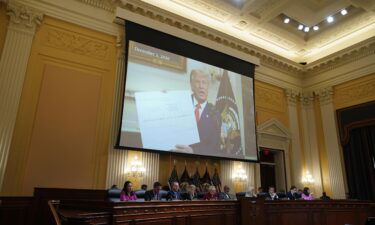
272,169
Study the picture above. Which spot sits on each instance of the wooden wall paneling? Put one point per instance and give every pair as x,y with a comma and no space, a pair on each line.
15,210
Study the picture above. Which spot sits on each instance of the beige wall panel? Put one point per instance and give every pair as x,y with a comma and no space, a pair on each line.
355,92
3,25
63,138
83,61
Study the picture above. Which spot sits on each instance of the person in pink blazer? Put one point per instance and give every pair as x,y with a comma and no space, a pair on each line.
127,193
306,195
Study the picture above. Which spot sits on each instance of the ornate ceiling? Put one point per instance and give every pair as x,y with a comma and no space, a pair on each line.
260,23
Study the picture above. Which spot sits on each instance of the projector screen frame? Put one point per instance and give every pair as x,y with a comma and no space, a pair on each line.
122,99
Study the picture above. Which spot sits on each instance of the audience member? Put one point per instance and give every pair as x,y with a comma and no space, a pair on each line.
306,195
144,187
127,193
293,193
153,194
174,194
191,193
226,195
271,195
211,194
325,196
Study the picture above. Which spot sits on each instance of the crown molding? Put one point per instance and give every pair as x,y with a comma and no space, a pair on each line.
99,15
351,54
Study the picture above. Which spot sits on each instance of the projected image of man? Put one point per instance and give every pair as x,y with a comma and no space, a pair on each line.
206,116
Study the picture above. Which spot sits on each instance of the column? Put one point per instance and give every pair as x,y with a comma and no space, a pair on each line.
13,64
335,166
297,166
311,149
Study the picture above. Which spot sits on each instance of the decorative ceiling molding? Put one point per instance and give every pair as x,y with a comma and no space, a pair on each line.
205,8
352,54
267,58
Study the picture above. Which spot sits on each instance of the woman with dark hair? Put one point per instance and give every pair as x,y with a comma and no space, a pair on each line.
306,195
127,193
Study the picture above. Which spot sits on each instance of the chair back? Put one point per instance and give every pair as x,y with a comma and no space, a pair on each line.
53,206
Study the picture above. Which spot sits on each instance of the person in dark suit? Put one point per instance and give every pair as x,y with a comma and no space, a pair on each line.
153,194
226,195
271,195
207,117
191,193
174,194
293,193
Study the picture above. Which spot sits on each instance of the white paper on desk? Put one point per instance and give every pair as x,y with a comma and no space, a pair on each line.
166,119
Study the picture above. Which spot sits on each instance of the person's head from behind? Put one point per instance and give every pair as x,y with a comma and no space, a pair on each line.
191,189
306,191
260,189
128,187
175,186
293,189
157,187
324,194
226,189
144,187
199,83
271,189
212,190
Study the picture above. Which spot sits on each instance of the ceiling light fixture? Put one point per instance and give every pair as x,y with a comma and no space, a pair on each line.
300,27
344,12
286,20
316,28
307,29
330,19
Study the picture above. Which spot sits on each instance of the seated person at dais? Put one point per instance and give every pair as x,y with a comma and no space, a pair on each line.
154,194
144,187
250,193
306,194
293,193
325,196
127,193
191,193
226,195
174,194
211,194
271,195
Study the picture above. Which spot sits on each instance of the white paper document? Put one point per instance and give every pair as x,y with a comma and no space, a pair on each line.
166,119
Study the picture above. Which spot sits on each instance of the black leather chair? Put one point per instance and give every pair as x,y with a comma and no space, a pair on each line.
113,195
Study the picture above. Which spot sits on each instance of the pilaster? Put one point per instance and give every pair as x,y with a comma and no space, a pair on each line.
331,141
312,158
297,167
13,63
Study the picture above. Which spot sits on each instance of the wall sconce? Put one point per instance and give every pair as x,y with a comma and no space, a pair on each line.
136,169
308,178
239,174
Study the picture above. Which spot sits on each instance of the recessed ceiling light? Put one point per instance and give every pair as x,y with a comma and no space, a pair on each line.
316,28
300,27
330,19
344,12
286,20
307,29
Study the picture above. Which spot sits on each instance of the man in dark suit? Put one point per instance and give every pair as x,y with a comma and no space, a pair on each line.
207,117
153,194
293,193
174,194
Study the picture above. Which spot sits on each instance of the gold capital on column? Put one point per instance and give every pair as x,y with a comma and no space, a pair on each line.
325,95
23,17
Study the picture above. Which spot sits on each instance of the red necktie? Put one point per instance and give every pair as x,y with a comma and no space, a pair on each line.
196,112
